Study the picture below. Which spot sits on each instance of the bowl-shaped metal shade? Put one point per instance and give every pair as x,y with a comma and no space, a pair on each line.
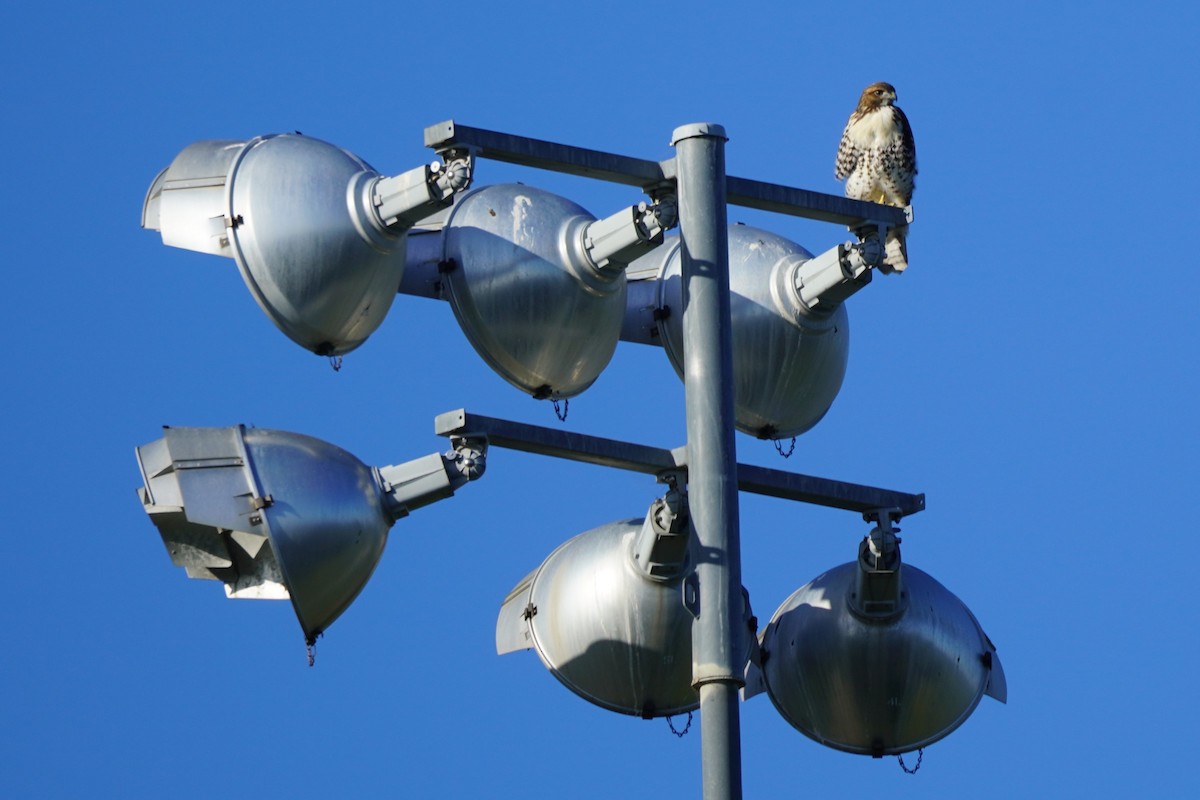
544,321
269,513
787,368
876,687
612,635
310,252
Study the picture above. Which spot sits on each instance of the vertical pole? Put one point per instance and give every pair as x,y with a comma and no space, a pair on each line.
717,646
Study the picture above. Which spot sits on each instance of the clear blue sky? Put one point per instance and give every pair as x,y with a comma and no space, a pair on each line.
1034,373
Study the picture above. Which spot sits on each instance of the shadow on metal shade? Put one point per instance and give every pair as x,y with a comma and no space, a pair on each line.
607,631
788,366
522,291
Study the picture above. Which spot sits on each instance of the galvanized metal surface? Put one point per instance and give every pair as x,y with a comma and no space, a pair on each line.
788,362
526,297
877,687
272,514
188,204
612,634
544,155
649,174
811,205
308,244
718,648
297,216
648,460
825,491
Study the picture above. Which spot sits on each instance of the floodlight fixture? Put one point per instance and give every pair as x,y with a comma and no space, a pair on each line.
875,657
868,658
609,614
791,332
537,283
279,515
318,235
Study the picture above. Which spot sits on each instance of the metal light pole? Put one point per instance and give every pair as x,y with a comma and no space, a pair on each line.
717,645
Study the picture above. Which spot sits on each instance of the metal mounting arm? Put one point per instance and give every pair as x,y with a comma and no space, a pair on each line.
645,173
660,461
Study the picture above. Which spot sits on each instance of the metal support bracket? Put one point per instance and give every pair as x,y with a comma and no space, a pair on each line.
661,547
434,477
454,175
651,175
829,279
404,200
659,461
610,244
879,586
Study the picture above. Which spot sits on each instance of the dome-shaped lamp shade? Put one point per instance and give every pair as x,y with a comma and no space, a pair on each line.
271,514
877,685
543,320
312,256
295,213
787,366
611,633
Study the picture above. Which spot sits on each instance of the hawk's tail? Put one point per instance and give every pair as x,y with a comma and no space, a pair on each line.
896,249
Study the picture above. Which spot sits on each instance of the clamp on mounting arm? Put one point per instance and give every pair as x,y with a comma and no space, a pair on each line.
406,199
878,589
434,477
827,280
821,283
660,548
610,244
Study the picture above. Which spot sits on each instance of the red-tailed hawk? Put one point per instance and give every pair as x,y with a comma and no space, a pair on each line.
878,160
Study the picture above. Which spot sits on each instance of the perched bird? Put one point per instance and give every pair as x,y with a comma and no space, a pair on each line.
878,160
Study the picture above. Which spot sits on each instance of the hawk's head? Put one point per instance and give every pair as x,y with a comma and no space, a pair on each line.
876,96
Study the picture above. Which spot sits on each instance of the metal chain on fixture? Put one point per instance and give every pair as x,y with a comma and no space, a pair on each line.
917,766
561,413
686,728
779,447
336,363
